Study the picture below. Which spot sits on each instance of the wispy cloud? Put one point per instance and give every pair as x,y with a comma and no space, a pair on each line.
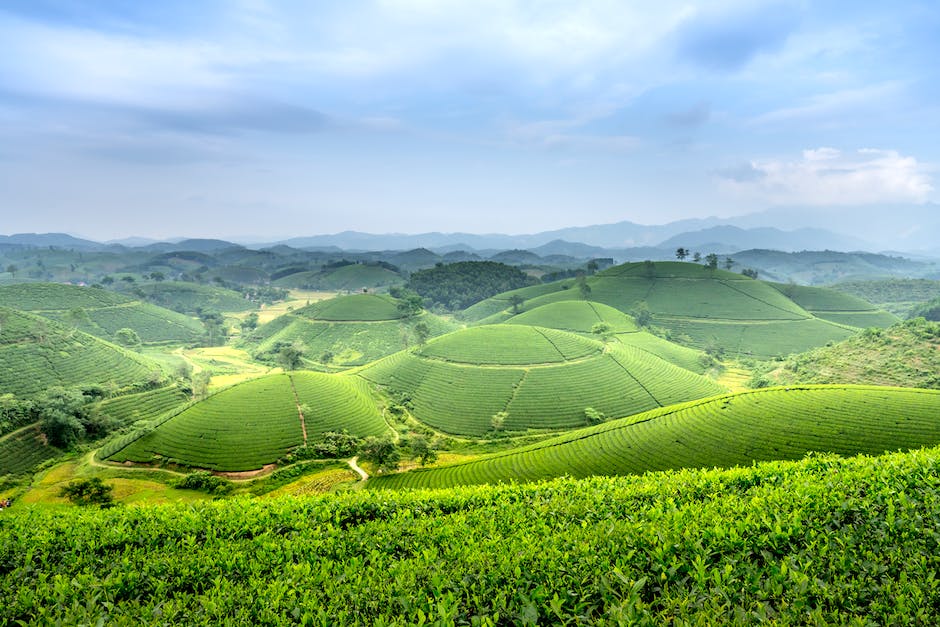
827,176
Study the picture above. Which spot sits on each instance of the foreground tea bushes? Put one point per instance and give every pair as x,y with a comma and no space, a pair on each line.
818,541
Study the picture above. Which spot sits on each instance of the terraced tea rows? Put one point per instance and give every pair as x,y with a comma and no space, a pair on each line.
358,307
687,299
349,343
578,316
100,312
736,429
335,403
143,405
565,374
189,298
23,450
837,307
255,423
37,353
241,428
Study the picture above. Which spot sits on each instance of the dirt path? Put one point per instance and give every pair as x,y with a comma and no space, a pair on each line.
300,411
359,471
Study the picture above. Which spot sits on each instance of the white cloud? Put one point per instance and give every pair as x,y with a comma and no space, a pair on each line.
827,176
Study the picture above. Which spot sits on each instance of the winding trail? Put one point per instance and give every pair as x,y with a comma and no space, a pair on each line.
359,471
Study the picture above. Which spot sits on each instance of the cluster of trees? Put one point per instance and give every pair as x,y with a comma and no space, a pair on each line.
929,310
383,452
64,414
458,285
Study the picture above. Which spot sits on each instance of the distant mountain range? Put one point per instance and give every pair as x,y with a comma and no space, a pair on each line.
912,229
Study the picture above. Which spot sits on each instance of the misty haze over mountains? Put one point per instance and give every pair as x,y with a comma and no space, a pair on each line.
910,229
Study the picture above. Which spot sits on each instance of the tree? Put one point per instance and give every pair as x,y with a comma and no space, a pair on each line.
711,261
291,356
516,301
729,263
213,322
409,304
422,332
200,384
498,421
12,270
749,272
77,316
681,253
602,330
382,452
63,417
128,279
421,449
127,337
641,313
157,276
250,323
107,280
583,288
697,257
592,266
89,492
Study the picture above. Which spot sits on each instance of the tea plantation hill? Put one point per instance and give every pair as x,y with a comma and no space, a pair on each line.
899,296
37,353
354,330
907,354
702,308
731,430
354,276
837,307
581,316
189,298
101,312
538,378
249,425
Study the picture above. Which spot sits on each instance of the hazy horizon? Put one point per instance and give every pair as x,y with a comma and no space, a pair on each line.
269,119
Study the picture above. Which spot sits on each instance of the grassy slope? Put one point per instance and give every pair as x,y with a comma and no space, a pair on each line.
906,354
37,353
352,277
22,450
104,312
778,423
898,296
543,379
188,297
702,308
817,541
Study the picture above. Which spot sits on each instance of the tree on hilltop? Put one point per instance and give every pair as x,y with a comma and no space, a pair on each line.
681,253
697,257
516,301
711,261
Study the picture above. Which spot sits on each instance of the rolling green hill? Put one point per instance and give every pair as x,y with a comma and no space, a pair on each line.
899,296
730,430
702,308
837,307
37,353
100,312
23,450
907,354
580,316
148,405
187,298
350,277
352,330
255,423
541,378
820,541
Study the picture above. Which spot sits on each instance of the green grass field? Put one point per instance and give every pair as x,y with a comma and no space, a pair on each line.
352,277
730,430
255,423
542,378
578,316
37,353
820,541
100,312
836,306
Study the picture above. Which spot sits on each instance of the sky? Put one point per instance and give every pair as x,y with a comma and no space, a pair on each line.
265,119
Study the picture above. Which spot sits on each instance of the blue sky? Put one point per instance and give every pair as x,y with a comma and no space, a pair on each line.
266,119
